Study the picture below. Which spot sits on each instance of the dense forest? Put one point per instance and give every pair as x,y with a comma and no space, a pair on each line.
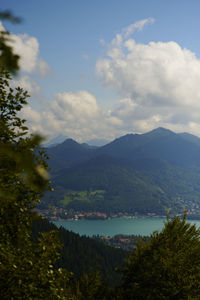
83,254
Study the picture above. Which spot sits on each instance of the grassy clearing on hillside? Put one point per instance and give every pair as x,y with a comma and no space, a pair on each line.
87,196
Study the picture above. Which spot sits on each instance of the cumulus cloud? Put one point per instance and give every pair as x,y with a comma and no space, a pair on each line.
42,68
27,48
79,116
158,82
154,74
80,104
28,84
30,62
75,114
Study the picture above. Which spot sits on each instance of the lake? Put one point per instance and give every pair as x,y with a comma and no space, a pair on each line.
111,227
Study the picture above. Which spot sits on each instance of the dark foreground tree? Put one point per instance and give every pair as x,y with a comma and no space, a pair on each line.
26,267
8,59
166,267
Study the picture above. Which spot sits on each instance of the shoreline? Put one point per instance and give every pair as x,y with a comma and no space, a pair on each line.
122,217
60,214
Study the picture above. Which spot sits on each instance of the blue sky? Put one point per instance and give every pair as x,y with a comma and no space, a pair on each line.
100,69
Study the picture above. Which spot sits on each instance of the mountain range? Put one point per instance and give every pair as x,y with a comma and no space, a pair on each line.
138,173
61,138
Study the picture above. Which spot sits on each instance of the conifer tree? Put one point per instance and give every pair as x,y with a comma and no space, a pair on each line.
166,267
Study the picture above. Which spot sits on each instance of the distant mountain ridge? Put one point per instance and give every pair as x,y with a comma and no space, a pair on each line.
151,172
56,140
61,138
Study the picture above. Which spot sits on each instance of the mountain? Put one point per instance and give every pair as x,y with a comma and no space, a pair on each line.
151,172
190,138
107,181
67,153
158,144
56,140
89,146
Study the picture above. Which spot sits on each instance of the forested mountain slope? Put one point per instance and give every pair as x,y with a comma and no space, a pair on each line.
151,172
83,254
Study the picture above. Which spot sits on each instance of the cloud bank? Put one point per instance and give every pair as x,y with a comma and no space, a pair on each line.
157,84
75,114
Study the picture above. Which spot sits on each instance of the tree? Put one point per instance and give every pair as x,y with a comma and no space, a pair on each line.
8,59
26,267
90,287
165,267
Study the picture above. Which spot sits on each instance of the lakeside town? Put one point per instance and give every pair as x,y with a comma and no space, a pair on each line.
123,241
59,214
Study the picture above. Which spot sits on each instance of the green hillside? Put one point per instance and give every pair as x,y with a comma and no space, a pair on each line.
153,172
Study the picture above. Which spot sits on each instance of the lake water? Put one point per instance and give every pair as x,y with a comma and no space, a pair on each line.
111,227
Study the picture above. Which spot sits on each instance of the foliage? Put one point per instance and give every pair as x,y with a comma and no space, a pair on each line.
166,267
8,59
90,287
26,267
86,196
8,16
81,254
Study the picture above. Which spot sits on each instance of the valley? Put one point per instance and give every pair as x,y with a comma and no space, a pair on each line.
157,172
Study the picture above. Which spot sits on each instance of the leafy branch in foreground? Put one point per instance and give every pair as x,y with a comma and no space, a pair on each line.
8,59
26,267
8,16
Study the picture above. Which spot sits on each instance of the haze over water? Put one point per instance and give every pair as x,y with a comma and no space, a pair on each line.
110,227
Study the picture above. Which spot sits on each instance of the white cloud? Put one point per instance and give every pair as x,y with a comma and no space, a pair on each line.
116,45
30,62
75,114
158,83
75,105
153,74
27,48
28,84
42,68
79,116
128,31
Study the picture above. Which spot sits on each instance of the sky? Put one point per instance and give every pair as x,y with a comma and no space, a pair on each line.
102,69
